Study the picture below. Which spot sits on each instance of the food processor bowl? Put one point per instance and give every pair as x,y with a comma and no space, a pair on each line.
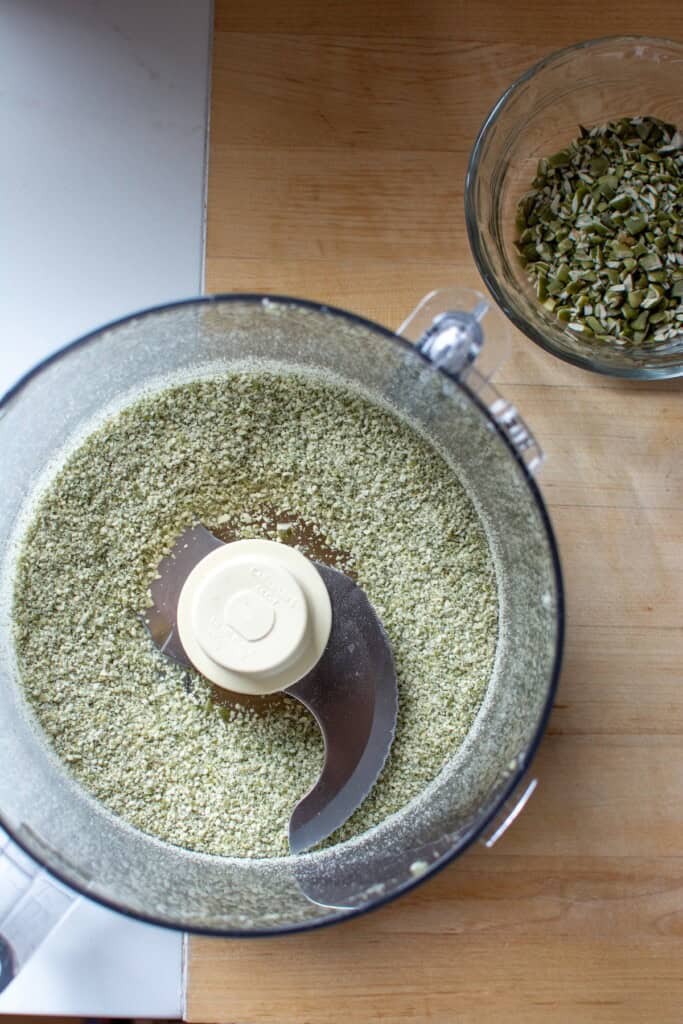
98,854
589,84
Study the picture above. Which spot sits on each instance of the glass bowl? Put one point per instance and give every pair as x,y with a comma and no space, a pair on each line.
589,84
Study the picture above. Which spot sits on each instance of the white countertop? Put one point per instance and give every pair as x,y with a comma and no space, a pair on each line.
103,115
100,964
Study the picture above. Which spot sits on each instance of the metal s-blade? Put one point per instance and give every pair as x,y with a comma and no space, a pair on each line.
161,618
353,696
351,692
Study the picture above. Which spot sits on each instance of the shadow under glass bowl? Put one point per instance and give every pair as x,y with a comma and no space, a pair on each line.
590,83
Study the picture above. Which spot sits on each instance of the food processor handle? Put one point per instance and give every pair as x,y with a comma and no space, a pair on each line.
447,328
32,903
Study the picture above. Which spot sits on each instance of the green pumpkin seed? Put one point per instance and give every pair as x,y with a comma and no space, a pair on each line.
601,232
634,225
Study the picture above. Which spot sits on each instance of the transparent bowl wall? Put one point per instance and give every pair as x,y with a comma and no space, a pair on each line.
588,84
64,828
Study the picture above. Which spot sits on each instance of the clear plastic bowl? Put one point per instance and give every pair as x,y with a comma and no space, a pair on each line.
590,83
66,830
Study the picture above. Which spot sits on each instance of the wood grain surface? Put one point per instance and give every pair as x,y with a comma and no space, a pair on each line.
339,140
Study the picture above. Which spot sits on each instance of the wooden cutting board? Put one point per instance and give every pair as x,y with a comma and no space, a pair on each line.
340,133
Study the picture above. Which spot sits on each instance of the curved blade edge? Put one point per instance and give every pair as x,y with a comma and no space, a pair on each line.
352,693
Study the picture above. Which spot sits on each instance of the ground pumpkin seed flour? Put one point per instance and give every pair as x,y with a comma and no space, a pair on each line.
243,453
